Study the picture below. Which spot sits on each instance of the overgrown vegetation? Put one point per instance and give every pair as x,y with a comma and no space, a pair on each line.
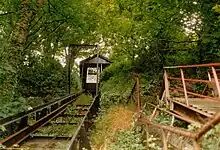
139,36
33,35
130,140
117,83
211,140
114,121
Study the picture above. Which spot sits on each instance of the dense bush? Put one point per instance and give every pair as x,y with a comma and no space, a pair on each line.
42,80
117,83
128,140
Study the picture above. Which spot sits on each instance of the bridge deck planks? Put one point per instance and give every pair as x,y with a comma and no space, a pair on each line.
206,105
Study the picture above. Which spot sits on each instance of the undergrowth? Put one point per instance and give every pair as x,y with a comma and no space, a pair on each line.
211,140
128,140
114,128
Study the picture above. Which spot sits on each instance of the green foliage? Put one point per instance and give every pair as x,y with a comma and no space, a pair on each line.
84,99
44,77
31,38
128,140
9,108
211,139
217,8
57,130
140,36
163,119
2,146
117,68
150,83
117,83
109,123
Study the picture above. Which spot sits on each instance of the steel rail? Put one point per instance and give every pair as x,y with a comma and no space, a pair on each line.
16,117
21,135
73,141
193,66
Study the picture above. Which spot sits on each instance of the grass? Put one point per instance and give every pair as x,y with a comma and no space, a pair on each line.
114,120
57,130
84,99
64,130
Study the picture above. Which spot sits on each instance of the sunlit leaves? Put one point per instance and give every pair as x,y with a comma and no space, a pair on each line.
217,8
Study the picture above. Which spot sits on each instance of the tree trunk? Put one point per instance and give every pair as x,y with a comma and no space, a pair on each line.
16,51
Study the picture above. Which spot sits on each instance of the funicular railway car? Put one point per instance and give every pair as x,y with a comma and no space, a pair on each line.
88,71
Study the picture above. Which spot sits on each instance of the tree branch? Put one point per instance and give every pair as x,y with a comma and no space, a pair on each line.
178,41
44,36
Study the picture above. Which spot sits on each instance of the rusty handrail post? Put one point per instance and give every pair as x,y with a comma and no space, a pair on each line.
164,139
184,86
196,144
138,93
216,80
153,114
167,93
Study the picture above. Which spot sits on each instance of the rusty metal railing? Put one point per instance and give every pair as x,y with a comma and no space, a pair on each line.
80,138
135,94
183,79
21,135
195,136
167,130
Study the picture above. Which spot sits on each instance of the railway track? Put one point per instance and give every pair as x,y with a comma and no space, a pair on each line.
53,115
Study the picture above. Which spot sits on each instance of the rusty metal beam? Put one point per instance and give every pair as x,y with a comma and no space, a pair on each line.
138,93
167,92
172,114
145,121
184,86
190,80
216,80
195,94
193,66
79,136
192,108
194,135
196,144
164,139
186,117
209,125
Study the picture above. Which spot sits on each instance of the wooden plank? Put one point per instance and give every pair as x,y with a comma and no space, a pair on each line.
202,104
196,94
192,108
200,101
187,118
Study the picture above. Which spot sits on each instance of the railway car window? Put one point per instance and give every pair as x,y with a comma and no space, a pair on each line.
92,75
